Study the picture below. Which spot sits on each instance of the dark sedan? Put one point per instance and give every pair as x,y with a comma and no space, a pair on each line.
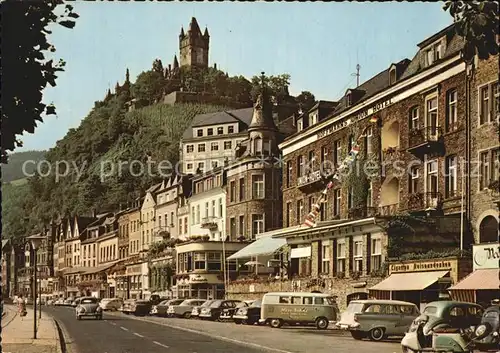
248,315
227,314
214,311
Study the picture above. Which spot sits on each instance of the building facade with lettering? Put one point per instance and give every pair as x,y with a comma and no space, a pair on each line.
483,284
421,281
200,268
407,122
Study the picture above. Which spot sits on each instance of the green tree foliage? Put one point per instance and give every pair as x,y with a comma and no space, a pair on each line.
477,22
149,86
277,86
25,69
14,169
13,210
306,100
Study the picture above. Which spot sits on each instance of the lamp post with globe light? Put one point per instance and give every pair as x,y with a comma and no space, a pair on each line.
36,241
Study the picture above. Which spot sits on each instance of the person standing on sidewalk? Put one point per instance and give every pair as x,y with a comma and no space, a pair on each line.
21,306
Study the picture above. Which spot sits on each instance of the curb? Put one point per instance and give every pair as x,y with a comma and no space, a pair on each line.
61,346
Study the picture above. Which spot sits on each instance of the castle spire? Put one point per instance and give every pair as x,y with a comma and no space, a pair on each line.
262,118
182,32
176,63
193,26
127,76
206,32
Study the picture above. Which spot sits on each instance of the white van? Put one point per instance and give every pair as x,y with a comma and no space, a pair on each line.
301,308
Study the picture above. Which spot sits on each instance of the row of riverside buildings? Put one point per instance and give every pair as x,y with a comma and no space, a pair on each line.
417,218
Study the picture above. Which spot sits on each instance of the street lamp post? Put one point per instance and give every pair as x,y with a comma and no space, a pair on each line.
35,240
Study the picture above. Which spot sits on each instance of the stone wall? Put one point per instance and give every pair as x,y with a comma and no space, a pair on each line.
202,98
483,137
334,286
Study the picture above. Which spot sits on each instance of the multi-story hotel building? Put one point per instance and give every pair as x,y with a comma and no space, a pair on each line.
404,192
211,139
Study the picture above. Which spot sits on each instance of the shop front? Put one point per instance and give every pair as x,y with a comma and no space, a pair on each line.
482,286
134,280
421,281
200,286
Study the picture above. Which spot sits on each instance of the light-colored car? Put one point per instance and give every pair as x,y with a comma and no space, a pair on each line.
128,306
195,313
111,304
185,308
88,307
162,308
377,319
75,302
59,302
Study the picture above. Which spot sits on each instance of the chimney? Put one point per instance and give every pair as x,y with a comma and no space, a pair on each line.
94,213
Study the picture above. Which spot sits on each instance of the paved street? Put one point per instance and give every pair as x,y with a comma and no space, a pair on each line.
119,333
116,334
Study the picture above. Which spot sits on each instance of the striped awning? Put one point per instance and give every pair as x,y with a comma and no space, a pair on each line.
411,281
485,279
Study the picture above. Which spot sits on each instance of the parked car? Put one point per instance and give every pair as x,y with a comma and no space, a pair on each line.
440,317
128,306
111,304
214,311
68,301
196,310
377,319
142,307
162,308
488,330
248,315
59,302
184,308
88,306
227,313
75,302
298,308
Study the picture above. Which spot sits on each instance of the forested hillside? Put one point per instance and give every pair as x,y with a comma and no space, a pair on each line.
14,169
111,133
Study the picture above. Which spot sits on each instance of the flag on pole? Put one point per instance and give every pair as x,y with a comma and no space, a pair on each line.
310,220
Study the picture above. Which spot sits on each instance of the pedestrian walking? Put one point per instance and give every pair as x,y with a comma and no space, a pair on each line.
21,306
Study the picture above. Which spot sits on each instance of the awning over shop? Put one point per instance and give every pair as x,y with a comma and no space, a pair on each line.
485,279
409,281
99,269
262,246
301,252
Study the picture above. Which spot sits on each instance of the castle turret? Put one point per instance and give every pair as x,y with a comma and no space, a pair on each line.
206,33
262,130
194,28
176,63
182,34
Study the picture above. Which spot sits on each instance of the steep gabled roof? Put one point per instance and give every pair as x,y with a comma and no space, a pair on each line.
243,116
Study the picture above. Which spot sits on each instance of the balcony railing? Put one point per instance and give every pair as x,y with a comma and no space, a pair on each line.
210,223
362,212
424,200
314,176
425,140
388,210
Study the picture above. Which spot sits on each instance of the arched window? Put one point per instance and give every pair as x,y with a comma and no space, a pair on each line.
488,230
257,145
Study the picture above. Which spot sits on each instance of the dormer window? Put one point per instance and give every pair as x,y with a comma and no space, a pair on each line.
313,119
199,132
300,125
230,129
392,75
349,99
433,53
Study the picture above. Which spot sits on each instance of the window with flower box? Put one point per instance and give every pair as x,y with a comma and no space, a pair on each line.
341,259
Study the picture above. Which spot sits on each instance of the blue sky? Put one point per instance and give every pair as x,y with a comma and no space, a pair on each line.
318,44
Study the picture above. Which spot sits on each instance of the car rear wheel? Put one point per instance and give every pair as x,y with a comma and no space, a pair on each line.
78,317
357,335
322,323
276,323
377,334
237,321
187,315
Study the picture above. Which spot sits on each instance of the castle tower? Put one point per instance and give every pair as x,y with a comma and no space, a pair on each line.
194,46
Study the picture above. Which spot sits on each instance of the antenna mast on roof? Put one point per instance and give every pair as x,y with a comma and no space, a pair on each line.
357,75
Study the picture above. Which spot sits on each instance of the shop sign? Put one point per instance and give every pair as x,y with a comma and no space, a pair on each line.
197,279
360,116
134,270
486,256
421,266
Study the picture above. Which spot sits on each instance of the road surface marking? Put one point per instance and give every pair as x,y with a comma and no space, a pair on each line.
124,328
222,338
112,323
138,335
160,344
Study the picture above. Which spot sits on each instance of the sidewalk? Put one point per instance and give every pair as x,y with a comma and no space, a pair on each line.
17,335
